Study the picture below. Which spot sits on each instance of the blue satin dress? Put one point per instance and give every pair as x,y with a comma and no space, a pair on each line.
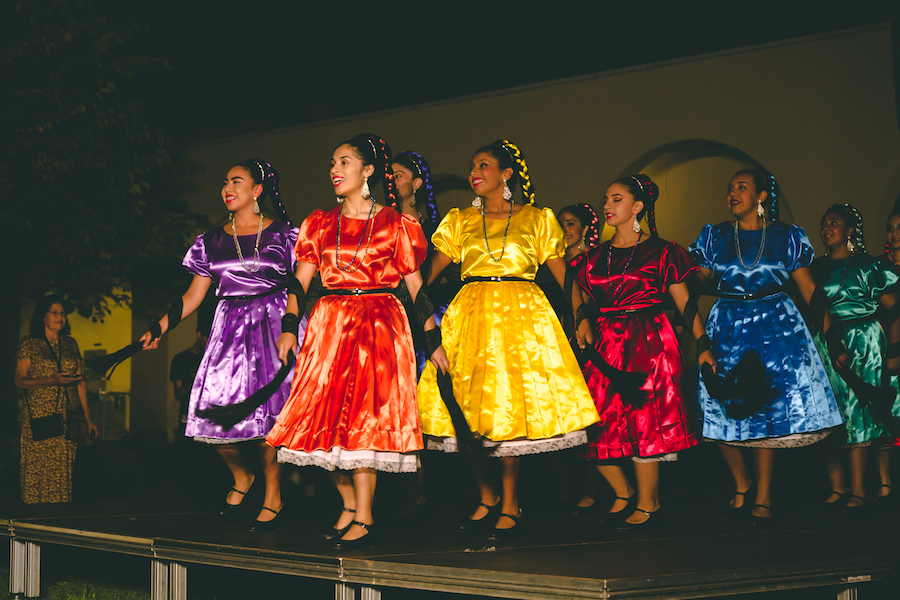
802,401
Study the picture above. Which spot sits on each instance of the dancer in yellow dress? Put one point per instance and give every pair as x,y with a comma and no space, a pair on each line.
514,374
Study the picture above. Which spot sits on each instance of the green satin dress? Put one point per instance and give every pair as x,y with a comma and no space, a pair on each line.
853,287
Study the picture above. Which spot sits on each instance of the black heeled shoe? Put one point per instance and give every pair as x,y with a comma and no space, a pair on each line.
501,535
860,509
759,520
833,508
614,518
654,521
482,524
366,541
885,500
737,513
275,524
230,511
335,533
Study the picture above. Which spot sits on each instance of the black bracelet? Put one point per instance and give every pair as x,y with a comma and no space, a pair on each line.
703,344
581,314
155,330
433,340
290,323
834,342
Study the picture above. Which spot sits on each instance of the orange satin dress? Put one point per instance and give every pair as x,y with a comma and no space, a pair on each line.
353,399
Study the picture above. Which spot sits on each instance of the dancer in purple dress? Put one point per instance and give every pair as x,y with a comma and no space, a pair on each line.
249,260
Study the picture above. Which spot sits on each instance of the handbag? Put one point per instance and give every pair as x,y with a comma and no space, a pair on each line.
44,428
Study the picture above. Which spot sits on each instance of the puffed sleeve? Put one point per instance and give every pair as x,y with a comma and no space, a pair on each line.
446,236
800,252
880,279
196,261
308,243
292,235
703,248
676,265
551,243
411,248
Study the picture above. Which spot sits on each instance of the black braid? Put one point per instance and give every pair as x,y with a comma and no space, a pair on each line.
642,188
852,218
765,182
587,216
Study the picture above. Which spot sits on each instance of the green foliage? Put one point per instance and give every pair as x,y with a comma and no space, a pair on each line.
86,181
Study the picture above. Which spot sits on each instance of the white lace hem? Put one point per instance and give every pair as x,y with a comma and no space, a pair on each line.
516,447
214,441
348,460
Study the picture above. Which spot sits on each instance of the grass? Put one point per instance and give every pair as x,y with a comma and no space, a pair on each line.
76,589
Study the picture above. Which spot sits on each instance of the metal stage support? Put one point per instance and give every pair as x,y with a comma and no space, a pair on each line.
347,591
168,580
24,569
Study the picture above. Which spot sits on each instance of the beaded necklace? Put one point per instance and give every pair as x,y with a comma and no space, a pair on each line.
628,264
505,231
254,267
337,245
737,247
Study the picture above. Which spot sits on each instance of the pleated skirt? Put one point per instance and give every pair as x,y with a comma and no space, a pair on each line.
865,341
240,358
801,400
353,400
514,374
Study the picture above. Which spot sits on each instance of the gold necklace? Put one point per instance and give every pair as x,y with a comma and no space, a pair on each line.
255,266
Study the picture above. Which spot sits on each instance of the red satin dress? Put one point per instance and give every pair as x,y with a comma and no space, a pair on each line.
353,400
633,334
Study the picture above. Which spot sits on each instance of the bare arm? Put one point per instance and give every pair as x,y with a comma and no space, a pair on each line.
24,382
191,300
83,400
439,262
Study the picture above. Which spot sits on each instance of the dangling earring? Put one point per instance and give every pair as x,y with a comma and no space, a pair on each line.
635,227
255,207
477,202
412,203
365,188
760,210
850,246
581,245
340,199
507,193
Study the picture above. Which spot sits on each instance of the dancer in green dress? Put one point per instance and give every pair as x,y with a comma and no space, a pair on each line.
855,284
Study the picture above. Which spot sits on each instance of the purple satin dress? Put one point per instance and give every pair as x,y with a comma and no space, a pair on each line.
241,355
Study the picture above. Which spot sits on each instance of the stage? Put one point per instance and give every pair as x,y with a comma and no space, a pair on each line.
559,556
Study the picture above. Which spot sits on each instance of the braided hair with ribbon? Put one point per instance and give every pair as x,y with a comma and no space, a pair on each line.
643,189
852,219
588,218
765,182
509,156
418,166
373,150
263,173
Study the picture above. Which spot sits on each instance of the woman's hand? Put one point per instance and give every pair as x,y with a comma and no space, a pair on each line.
893,365
707,358
67,380
149,342
92,430
286,342
440,360
842,361
584,334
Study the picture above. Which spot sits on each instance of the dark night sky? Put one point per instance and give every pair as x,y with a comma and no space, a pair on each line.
250,66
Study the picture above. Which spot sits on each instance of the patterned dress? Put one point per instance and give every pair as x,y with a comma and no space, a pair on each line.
514,374
46,466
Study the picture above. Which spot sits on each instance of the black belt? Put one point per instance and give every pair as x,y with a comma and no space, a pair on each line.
358,292
254,296
727,296
630,311
478,279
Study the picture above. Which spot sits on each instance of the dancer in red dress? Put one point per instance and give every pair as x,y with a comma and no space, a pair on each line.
352,408
627,278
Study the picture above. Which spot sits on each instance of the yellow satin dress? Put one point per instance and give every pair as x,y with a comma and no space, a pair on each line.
514,374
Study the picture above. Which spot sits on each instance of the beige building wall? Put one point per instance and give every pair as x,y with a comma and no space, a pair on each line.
818,112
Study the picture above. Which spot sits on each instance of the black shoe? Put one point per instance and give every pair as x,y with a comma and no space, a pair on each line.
740,513
335,533
500,535
883,501
230,511
859,509
654,521
614,518
833,508
483,524
275,524
366,541
761,521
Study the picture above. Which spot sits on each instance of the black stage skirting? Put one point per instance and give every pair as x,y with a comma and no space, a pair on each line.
559,556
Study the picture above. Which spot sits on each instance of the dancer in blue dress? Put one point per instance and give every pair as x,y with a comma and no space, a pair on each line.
750,261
